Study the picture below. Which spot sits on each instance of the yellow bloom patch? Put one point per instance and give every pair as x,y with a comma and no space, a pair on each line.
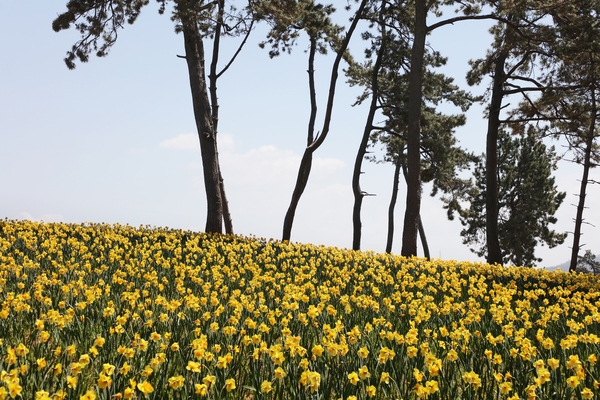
109,311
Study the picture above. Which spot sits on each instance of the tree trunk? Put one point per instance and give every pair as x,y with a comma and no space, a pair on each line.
390,233
421,229
306,162
301,181
423,238
413,142
362,148
491,164
589,142
214,100
226,214
313,144
194,55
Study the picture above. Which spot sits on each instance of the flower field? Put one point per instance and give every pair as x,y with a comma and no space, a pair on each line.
99,311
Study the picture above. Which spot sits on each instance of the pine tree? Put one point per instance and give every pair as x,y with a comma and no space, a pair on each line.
527,201
386,81
99,22
588,263
570,103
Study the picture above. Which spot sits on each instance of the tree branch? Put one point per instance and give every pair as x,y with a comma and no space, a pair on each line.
238,50
517,65
522,90
526,79
535,119
334,75
451,21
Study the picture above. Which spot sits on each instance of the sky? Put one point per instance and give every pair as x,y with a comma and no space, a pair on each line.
115,141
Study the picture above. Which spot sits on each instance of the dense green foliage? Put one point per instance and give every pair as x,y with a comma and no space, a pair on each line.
527,199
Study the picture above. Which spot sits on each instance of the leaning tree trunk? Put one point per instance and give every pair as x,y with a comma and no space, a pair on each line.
306,163
359,194
589,142
214,100
413,142
194,55
301,181
491,165
394,198
423,238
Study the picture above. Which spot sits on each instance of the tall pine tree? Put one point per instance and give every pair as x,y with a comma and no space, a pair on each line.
527,201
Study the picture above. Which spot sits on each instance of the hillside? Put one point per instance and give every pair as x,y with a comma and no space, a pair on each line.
100,311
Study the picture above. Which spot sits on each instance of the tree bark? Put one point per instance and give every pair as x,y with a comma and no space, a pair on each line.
390,234
589,142
314,144
301,181
494,255
362,148
422,236
214,101
394,198
413,142
306,162
194,55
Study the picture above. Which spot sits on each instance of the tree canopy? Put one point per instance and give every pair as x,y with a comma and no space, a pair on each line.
527,201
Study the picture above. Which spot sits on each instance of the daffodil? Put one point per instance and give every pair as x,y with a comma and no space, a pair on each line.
573,381
230,384
104,381
89,395
371,391
145,387
176,382
201,389
363,352
353,378
266,387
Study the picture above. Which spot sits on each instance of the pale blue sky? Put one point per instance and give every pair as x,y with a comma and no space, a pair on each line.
114,140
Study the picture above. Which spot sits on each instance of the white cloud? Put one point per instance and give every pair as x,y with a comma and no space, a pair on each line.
259,184
268,165
44,217
226,143
328,166
26,215
183,141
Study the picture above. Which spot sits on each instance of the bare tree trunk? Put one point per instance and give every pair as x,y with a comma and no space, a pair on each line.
390,233
214,100
422,236
415,93
362,149
494,255
314,144
194,55
301,181
583,188
306,162
226,214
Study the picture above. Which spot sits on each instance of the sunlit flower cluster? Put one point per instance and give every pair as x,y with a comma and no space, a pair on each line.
99,311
